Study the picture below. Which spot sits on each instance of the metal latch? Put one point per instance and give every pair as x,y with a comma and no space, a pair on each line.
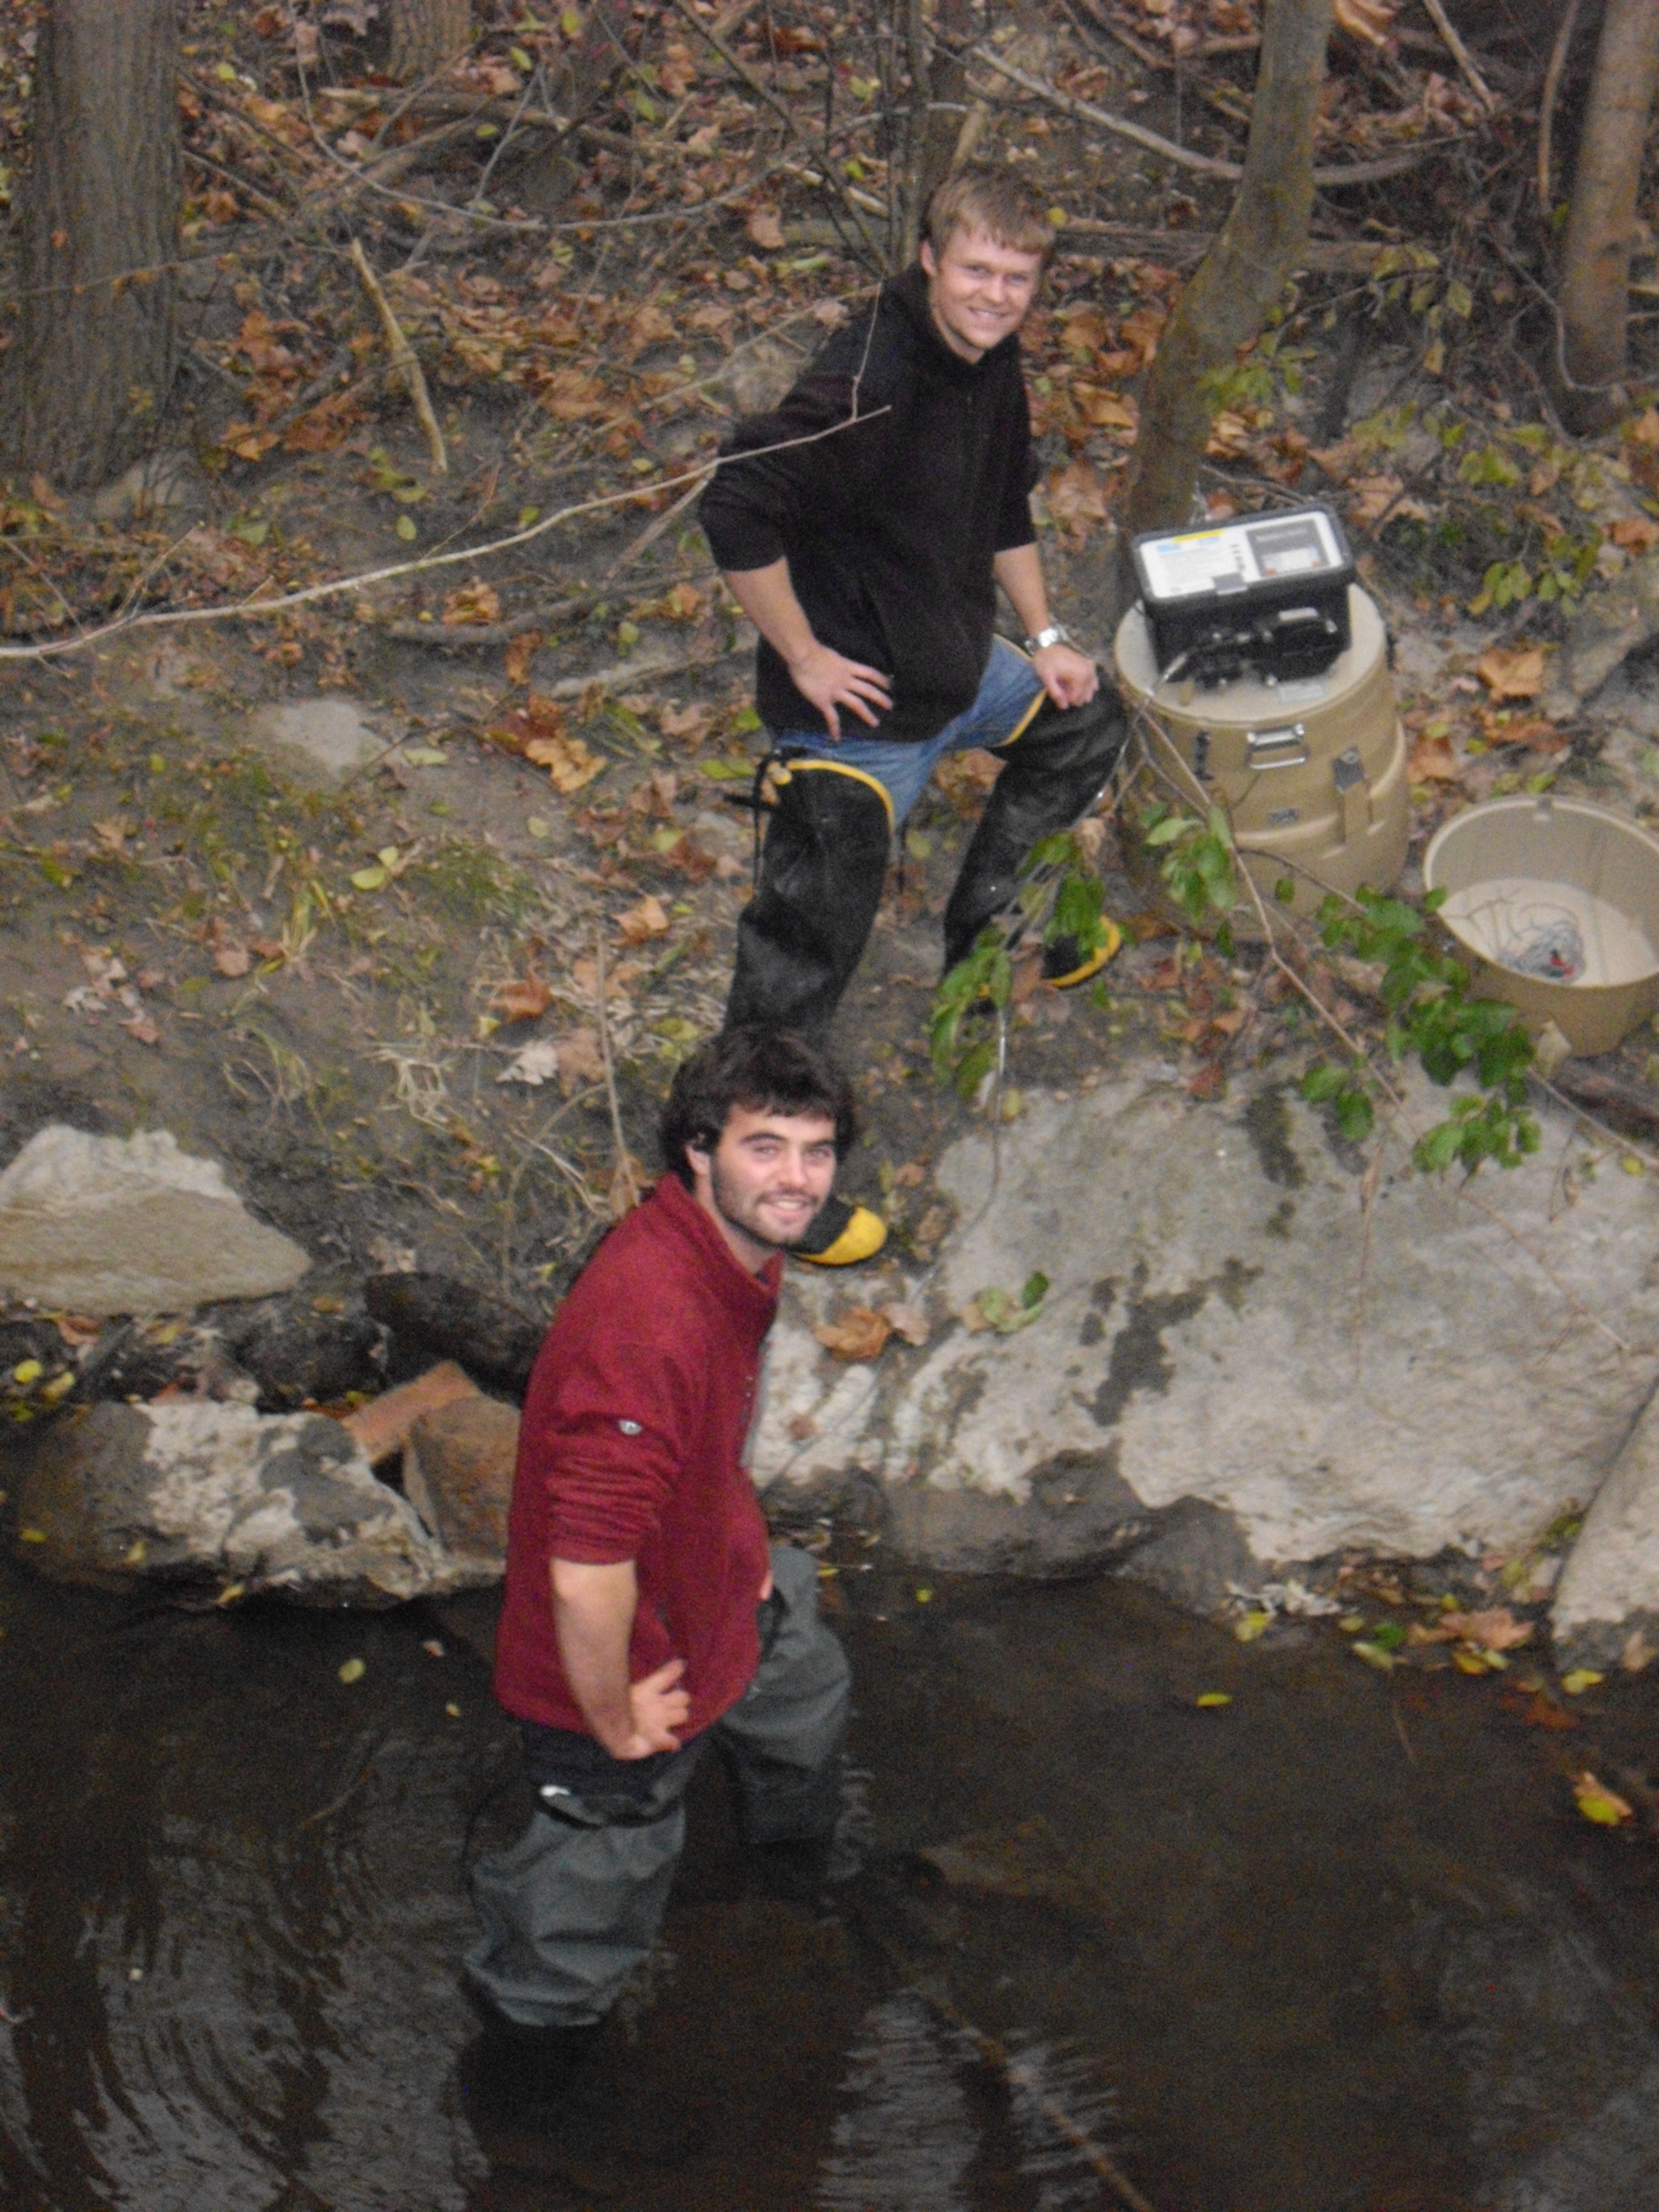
1353,792
1285,747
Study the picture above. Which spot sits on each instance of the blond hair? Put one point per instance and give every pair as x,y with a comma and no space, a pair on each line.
990,196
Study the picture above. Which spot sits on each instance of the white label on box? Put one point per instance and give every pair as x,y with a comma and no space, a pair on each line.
1302,691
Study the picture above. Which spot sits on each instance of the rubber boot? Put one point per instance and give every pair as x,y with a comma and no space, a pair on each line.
1055,770
803,935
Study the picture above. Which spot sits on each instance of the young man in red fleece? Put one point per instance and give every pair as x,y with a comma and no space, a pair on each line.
646,1613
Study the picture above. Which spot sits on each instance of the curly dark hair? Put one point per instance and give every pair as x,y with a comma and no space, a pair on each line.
763,1070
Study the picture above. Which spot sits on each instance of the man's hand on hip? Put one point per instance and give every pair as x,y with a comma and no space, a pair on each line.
658,1707
1070,677
829,680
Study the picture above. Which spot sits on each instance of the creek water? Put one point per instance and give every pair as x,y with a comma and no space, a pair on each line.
1341,1945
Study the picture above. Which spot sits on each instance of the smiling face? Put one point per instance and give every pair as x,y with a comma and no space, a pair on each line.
979,292
765,1179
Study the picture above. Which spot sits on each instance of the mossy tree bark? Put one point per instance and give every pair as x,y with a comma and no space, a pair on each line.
427,35
1241,278
91,366
1601,222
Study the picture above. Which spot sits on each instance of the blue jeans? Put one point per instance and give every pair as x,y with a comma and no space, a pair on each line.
1009,691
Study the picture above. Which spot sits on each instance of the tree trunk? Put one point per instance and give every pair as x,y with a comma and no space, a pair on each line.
426,36
1601,224
91,367
1240,278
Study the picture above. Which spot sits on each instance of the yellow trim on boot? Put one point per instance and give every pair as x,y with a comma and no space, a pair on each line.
799,767
1022,724
862,1238
1092,966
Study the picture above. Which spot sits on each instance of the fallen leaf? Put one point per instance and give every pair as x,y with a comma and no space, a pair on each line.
569,763
475,604
113,835
647,920
353,1670
1369,19
1209,1699
911,1176
233,960
1470,1662
581,1058
1433,761
1495,1630
77,1329
1374,1654
522,1000
1599,1803
1374,497
1638,533
861,1334
802,1427
1106,410
1580,1679
1250,1625
143,1029
1512,674
904,1321
1538,1711
764,230
538,1063
687,725
1645,431
521,651
1637,1652
1076,496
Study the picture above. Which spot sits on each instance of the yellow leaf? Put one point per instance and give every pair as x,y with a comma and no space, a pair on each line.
924,1596
32,1536
1213,1698
1599,1803
1580,1679
1251,1626
1374,1654
26,1371
1369,20
370,880
353,1670
1469,1662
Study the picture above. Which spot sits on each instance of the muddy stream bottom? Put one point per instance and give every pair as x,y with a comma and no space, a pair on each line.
1341,1945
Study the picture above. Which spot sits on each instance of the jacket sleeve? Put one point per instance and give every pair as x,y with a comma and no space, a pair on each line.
608,1451
826,431
1014,526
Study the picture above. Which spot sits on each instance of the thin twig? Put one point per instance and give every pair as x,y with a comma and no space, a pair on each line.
1461,54
1553,77
652,532
404,361
1207,165
326,1812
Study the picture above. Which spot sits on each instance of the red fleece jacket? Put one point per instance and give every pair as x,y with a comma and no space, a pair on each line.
631,1449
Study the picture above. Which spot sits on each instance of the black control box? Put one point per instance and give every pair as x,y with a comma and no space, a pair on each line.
1266,595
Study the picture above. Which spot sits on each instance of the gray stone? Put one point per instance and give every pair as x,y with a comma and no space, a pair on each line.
1232,1351
131,1226
1613,622
1610,1585
188,1492
321,739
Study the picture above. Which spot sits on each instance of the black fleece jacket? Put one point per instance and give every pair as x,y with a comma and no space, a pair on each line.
890,525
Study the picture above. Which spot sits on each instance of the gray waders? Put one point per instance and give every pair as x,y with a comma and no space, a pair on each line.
571,1909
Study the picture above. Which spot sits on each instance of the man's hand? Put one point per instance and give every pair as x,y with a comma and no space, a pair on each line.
1070,677
830,681
657,1708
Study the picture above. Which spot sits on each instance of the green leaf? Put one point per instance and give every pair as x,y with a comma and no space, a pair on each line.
728,771
1033,1291
371,878
1285,891
405,528
1356,1116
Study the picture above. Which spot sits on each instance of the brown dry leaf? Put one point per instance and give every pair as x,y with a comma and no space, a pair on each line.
904,1321
965,778
1512,674
647,920
861,1334
582,1059
1076,496
267,948
569,763
474,603
1637,534
233,959
1229,435
143,1029
1369,19
1645,431
1497,1629
1432,760
571,395
521,651
1142,331
801,1427
764,230
1374,497
522,1000
911,1176
77,1329
647,327
1106,410
687,725
681,602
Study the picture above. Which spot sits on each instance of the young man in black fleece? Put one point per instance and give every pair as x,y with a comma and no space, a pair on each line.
865,527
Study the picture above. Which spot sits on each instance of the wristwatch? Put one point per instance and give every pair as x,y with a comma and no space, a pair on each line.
1056,634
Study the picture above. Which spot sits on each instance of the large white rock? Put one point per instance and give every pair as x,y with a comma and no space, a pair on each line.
188,1492
131,1226
1226,1335
1611,1582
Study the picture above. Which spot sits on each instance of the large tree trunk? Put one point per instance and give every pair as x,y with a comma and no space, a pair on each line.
427,35
92,364
1240,278
1601,224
